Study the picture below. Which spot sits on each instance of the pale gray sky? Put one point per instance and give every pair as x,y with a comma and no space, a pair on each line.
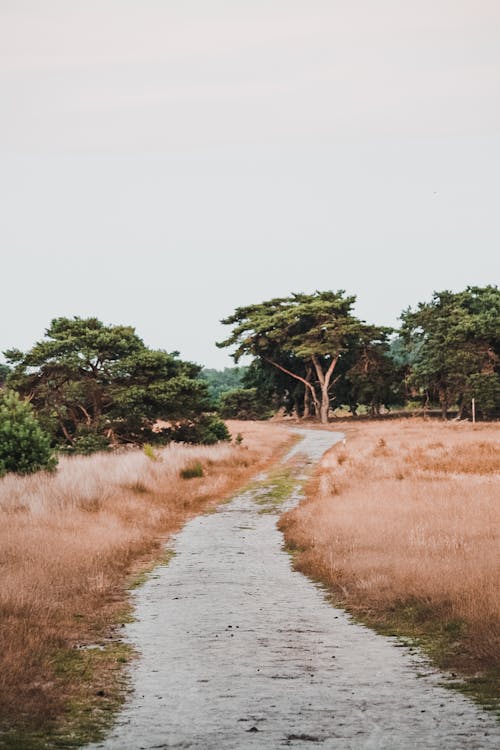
164,161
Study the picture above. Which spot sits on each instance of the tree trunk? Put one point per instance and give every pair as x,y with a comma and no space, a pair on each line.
65,431
443,401
306,383
324,382
307,404
307,395
426,404
325,405
88,418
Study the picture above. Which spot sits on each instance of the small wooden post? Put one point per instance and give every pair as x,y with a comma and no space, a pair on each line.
473,411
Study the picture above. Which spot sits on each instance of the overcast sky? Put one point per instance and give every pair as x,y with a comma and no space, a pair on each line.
164,161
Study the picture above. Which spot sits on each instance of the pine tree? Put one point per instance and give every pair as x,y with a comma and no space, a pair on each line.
24,446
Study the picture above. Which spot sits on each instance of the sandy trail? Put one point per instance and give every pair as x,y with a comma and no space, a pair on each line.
238,651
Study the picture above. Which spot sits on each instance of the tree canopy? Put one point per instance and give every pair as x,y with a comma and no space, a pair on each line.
244,403
304,336
4,372
87,378
92,385
455,347
222,381
371,377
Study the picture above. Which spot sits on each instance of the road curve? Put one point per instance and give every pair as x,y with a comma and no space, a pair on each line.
238,651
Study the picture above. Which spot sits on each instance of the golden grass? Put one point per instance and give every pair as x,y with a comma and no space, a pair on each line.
403,524
70,541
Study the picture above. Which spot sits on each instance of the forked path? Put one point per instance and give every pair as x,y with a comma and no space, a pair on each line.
238,651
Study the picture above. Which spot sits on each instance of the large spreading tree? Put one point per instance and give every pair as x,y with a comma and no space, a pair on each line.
303,336
92,383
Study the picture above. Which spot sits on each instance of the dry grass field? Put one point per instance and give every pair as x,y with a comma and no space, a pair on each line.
402,523
70,544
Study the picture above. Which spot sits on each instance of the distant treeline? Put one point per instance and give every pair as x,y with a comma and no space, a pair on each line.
311,355
89,385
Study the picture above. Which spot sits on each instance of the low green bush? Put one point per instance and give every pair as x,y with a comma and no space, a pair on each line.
207,430
87,442
24,446
192,471
244,403
150,452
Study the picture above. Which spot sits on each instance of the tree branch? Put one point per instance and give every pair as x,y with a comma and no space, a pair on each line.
333,364
319,371
294,375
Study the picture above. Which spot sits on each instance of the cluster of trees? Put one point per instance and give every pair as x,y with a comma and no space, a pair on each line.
234,394
87,385
91,386
453,349
221,382
311,354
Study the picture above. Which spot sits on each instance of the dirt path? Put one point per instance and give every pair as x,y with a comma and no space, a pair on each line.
240,652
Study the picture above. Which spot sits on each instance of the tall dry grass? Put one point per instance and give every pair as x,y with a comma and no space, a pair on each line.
403,523
69,542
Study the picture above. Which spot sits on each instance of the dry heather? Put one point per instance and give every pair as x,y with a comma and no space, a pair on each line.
69,543
402,523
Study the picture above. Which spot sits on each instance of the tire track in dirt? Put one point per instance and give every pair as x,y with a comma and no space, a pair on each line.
238,651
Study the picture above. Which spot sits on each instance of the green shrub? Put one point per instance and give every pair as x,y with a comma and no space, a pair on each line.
244,403
87,442
207,430
150,452
193,470
24,446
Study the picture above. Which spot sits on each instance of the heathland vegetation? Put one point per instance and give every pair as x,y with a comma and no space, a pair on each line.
402,524
72,542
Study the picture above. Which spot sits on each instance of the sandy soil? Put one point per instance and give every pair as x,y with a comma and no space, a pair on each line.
238,651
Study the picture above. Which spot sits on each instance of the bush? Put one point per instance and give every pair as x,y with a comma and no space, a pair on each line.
192,471
87,442
244,403
24,446
150,452
207,430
